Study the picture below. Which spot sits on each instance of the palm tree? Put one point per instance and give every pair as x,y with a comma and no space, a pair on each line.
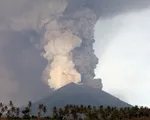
1,115
54,110
108,109
6,108
1,105
13,110
44,110
55,113
101,108
17,112
11,103
40,107
60,114
39,115
2,111
8,114
30,106
26,112
66,111
89,107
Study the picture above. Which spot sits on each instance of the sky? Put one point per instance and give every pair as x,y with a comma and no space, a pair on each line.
124,60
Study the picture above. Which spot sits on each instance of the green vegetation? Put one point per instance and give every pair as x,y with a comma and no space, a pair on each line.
74,112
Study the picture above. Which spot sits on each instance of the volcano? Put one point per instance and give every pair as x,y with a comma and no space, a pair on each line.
79,94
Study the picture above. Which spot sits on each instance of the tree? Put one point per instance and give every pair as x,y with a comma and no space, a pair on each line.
2,110
25,113
60,117
39,115
55,113
8,114
40,107
44,110
17,112
13,110
1,115
11,104
30,107
1,105
66,111
6,108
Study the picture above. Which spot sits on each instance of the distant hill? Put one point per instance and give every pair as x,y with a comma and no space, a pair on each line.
77,95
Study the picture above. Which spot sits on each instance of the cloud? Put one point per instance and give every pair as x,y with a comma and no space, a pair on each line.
21,68
124,65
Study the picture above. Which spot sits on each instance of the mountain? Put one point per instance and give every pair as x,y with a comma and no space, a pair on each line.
77,95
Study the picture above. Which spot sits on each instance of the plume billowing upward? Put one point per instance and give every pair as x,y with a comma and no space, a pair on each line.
69,47
69,41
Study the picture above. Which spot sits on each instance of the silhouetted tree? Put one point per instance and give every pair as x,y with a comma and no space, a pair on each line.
25,113
30,107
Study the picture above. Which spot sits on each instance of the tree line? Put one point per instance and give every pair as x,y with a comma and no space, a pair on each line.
74,112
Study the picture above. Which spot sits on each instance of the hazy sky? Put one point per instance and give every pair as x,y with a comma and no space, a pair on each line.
125,59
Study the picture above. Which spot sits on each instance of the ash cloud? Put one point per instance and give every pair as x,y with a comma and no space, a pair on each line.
21,68
21,28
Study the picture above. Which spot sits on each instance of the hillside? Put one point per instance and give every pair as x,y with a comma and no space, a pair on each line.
77,95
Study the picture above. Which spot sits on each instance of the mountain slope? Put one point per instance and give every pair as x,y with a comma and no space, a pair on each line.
77,95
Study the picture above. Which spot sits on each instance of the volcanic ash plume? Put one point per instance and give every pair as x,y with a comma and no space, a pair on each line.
68,48
58,49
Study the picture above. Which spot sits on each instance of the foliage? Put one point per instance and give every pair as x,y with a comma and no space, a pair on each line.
75,112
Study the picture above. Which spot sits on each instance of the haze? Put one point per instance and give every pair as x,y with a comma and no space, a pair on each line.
125,61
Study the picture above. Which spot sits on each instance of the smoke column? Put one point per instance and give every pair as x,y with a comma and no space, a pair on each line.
58,50
68,44
69,37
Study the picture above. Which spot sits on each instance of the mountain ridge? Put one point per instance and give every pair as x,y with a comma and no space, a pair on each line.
79,94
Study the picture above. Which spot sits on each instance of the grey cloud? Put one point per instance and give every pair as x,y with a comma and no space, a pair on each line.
109,8
22,67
